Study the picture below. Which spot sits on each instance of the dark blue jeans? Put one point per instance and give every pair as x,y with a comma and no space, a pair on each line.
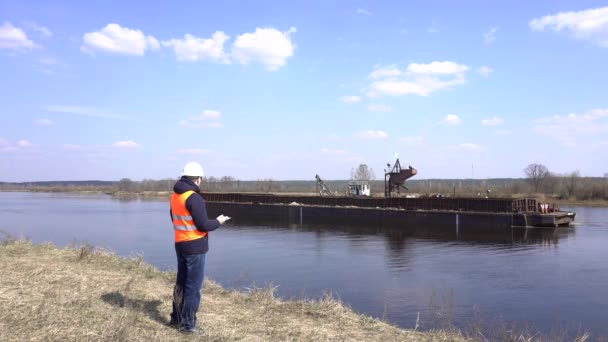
187,291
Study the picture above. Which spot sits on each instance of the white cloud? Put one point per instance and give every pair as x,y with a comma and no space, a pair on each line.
206,119
417,79
494,121
125,144
24,143
374,107
7,146
469,146
116,39
372,134
211,114
388,71
413,140
85,111
490,36
350,99
44,31
12,37
49,64
268,46
43,122
193,151
334,152
363,11
192,48
437,68
573,128
485,70
452,120
398,88
591,24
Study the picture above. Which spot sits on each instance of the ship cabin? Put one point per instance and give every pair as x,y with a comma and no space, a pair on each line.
358,188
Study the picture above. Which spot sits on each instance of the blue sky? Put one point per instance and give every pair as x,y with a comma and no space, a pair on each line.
286,90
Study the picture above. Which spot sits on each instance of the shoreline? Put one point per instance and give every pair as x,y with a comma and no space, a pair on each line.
166,195
54,293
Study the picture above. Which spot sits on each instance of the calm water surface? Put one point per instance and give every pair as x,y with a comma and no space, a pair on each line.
542,278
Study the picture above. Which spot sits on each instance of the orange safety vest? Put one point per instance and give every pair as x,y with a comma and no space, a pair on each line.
183,225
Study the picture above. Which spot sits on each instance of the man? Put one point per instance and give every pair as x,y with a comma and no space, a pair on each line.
191,228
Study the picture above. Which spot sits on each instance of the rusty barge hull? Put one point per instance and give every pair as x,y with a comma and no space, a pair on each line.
445,212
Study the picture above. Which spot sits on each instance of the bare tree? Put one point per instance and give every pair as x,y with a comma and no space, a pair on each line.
363,173
536,174
551,183
571,183
265,185
127,185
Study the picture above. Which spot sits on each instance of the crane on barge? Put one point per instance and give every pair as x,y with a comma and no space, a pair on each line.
394,180
322,188
396,177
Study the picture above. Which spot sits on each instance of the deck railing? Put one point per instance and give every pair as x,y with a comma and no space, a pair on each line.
491,205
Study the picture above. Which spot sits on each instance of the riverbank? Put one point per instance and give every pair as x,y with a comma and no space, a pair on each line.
165,195
581,203
50,293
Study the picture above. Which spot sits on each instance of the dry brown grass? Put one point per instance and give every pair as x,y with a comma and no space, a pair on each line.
84,294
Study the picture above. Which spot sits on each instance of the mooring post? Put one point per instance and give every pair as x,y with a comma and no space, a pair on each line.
300,215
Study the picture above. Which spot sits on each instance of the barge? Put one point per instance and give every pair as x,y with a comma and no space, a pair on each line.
391,211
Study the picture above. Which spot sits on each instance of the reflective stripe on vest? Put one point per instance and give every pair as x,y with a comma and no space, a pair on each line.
183,225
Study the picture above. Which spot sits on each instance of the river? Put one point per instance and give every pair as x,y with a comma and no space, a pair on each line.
541,278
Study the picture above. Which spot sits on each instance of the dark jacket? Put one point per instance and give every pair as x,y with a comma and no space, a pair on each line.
197,208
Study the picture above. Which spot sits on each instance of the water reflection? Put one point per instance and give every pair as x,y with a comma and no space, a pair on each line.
398,242
397,236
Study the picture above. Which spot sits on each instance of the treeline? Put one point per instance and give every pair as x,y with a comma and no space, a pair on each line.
553,186
59,186
216,184
569,186
85,183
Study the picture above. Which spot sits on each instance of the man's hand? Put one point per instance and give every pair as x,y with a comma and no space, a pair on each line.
223,218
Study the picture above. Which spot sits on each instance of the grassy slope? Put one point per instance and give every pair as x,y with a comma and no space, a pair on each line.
48,293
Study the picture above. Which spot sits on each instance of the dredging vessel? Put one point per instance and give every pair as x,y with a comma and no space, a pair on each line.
392,209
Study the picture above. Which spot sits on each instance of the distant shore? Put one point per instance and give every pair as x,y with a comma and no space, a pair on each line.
68,294
166,194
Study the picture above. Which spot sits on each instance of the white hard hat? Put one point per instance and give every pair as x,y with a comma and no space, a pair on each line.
193,169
